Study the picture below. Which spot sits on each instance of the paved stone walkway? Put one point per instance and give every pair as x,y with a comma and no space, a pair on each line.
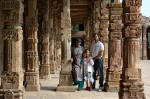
48,89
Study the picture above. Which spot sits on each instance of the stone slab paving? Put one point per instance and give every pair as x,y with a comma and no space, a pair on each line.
48,88
145,65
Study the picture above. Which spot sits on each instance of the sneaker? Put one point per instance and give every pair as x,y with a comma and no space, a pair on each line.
93,87
101,89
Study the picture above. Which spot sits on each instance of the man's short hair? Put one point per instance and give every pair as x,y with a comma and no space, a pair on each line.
95,34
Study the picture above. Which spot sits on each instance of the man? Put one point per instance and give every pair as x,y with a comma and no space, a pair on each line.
97,50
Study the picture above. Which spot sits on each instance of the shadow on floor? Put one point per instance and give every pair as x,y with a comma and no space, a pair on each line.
49,88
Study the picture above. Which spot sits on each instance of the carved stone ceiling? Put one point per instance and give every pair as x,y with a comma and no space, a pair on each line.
79,11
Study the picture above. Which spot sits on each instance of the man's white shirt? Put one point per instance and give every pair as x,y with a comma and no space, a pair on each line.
96,48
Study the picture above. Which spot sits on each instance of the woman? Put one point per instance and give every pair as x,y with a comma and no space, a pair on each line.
77,64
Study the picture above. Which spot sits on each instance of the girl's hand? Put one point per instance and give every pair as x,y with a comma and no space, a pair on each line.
84,59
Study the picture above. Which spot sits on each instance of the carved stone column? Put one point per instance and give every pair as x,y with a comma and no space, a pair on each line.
87,36
51,37
45,30
144,43
131,86
55,32
65,80
96,16
1,45
12,76
104,24
115,36
31,61
58,38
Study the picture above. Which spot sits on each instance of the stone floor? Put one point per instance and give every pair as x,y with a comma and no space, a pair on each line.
48,88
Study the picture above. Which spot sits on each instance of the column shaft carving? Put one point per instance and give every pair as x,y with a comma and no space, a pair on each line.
45,30
131,86
87,36
96,16
104,24
65,80
51,37
31,59
12,34
115,35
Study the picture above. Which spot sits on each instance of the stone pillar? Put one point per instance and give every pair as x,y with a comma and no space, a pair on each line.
51,37
131,86
96,16
65,80
45,30
1,46
104,24
12,76
87,36
31,59
115,36
58,38
55,33
144,43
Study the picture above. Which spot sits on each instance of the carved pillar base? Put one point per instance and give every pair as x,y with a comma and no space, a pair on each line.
131,86
66,83
32,80
11,86
131,90
45,72
112,81
53,68
114,69
11,94
65,80
111,87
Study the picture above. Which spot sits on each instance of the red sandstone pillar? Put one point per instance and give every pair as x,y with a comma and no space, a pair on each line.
131,86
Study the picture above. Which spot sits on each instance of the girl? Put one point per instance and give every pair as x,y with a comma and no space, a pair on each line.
88,70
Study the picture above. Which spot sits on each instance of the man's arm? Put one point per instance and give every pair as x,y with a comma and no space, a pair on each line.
101,51
99,55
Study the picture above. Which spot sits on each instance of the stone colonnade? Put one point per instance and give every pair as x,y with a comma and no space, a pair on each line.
49,22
